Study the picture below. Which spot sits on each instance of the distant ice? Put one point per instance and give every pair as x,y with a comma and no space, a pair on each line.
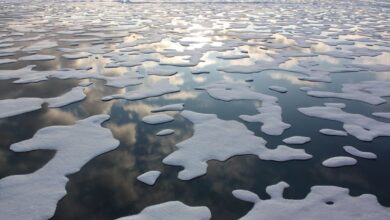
218,139
78,55
165,132
5,61
360,126
37,57
149,177
157,119
339,161
270,114
333,132
40,45
162,72
296,140
382,114
12,107
171,107
28,75
358,153
39,192
278,89
322,202
170,211
368,91
157,89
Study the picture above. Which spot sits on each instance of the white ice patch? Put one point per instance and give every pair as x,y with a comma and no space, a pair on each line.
323,202
296,140
172,107
171,210
165,132
12,107
5,61
333,132
368,91
37,57
149,177
78,55
157,119
158,89
360,126
339,161
382,114
40,45
39,192
27,75
162,72
278,89
270,114
218,139
358,153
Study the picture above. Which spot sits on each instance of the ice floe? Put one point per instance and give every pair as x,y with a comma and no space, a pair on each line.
368,91
171,107
39,192
5,61
162,72
339,161
37,57
278,89
157,89
296,140
12,107
360,126
333,132
270,114
218,139
78,55
165,132
358,153
171,210
382,114
40,45
157,119
149,177
322,202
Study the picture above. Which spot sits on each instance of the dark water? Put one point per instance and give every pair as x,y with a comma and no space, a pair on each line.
106,187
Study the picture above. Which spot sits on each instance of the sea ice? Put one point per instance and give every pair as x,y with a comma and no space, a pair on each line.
39,192
218,139
158,89
165,132
157,119
368,91
333,132
162,72
37,57
360,126
323,202
270,114
171,107
296,140
358,153
12,107
278,89
171,210
78,55
382,114
40,45
5,61
149,177
339,161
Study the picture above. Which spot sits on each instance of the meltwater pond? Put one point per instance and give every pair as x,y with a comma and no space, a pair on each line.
267,110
